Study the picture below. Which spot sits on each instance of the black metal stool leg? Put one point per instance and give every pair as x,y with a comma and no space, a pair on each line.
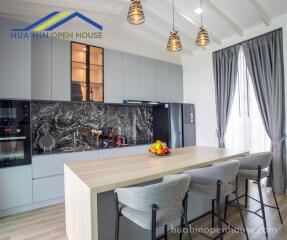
117,223
185,206
153,225
225,207
277,206
246,192
212,212
261,200
239,207
272,188
181,227
219,221
165,232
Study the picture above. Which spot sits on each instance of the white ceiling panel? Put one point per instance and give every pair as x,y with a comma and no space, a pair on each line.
221,18
240,11
274,8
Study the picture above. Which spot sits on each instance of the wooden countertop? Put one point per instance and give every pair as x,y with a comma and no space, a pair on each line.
107,174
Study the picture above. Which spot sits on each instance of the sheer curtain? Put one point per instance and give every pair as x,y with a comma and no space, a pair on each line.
245,128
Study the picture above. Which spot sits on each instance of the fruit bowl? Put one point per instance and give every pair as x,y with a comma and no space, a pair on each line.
159,148
161,154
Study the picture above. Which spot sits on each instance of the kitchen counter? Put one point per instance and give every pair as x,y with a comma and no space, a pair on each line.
87,182
85,149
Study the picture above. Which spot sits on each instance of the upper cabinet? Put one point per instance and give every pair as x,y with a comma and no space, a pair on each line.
176,84
133,77
113,76
41,71
87,73
61,65
15,64
148,87
50,69
163,81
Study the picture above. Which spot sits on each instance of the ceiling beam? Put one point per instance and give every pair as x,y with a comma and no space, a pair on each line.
183,13
75,5
168,22
235,27
260,12
141,35
121,19
165,21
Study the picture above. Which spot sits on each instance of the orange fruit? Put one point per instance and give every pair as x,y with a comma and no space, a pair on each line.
153,150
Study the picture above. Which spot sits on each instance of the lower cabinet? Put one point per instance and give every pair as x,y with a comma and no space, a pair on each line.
48,173
48,188
15,187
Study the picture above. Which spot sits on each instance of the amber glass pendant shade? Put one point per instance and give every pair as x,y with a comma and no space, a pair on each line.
202,37
174,43
136,14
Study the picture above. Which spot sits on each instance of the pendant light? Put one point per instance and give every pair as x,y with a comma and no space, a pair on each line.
136,14
174,43
202,36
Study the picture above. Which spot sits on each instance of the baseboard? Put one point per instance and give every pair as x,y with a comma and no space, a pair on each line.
29,207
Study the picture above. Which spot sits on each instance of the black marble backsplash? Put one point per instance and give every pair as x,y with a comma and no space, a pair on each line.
63,119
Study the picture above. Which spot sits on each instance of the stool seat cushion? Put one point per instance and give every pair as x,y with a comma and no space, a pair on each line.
251,174
143,219
210,190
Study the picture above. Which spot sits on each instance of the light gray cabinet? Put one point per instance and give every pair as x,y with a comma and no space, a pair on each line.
131,77
41,65
61,70
113,77
15,64
47,165
176,84
50,69
48,188
163,81
148,79
15,187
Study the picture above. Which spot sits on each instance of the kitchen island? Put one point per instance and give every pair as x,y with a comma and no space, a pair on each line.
89,187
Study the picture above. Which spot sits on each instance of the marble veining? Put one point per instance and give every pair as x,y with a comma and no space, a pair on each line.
63,119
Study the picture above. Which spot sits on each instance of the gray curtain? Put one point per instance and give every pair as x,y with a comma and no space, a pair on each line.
264,58
225,68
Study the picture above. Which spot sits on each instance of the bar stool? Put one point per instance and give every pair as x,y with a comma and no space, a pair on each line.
252,168
154,206
215,182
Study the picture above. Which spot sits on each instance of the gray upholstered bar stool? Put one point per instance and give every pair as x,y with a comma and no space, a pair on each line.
153,206
253,167
215,182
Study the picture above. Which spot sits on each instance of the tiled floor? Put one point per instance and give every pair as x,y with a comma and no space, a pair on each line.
49,223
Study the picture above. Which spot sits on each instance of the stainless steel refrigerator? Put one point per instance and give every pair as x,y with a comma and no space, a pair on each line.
174,123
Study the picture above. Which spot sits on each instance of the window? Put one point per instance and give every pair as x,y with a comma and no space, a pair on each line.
87,73
245,129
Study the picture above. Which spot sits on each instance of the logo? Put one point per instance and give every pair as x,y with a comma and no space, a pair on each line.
46,26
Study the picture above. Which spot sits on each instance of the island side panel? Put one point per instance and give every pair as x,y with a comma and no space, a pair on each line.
81,208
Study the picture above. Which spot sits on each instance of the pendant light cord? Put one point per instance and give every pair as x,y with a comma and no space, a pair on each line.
201,12
173,15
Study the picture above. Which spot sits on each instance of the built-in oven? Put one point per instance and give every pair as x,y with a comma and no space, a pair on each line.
15,141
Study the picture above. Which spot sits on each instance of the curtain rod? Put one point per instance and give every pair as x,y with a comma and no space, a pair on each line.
240,43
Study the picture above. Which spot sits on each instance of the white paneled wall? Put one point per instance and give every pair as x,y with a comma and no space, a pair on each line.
114,37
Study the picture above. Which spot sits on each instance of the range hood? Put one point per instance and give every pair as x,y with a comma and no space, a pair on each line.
140,102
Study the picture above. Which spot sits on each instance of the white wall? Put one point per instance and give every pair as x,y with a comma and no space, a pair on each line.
198,81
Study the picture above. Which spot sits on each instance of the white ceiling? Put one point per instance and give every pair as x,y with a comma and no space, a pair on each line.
222,18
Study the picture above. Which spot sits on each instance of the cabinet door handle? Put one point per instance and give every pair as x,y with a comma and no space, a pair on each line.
12,138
